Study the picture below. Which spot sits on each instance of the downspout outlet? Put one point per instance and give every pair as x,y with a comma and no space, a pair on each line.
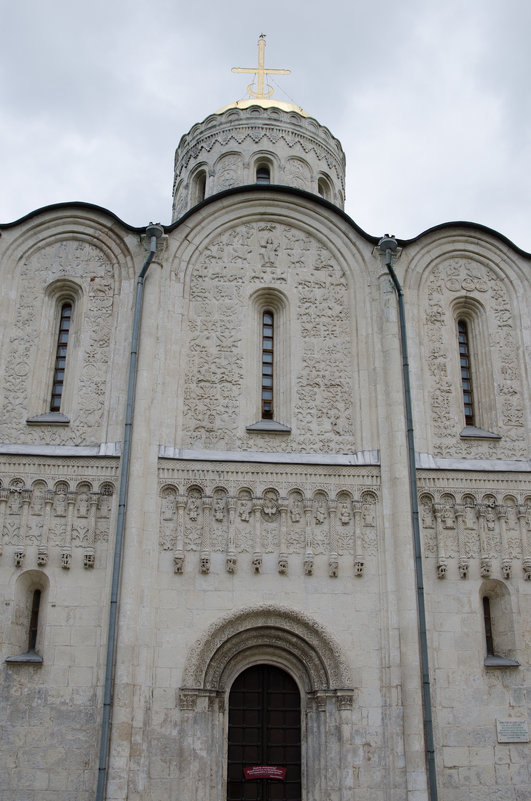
154,230
387,243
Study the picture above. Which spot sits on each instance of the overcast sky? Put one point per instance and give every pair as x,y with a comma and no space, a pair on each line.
430,99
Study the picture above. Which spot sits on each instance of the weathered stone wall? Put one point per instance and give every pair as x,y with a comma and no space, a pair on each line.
476,539
57,519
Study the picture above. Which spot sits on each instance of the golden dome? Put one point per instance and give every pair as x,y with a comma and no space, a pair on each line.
264,103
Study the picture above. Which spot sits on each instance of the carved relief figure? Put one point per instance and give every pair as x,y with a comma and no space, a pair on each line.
168,504
37,498
426,512
192,505
319,511
344,514
219,508
270,505
295,508
59,505
82,505
245,505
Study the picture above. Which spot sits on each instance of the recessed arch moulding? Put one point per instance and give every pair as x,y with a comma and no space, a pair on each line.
299,645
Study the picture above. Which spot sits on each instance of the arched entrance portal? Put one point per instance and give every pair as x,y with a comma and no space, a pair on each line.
308,658
264,730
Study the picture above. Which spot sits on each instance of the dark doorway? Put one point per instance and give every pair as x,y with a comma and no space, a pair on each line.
264,729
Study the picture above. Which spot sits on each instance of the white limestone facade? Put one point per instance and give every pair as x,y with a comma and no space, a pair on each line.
283,540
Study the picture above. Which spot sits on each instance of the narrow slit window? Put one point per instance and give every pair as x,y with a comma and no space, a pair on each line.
488,627
34,621
466,374
60,358
268,325
263,174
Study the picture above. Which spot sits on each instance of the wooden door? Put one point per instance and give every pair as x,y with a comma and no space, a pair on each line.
264,729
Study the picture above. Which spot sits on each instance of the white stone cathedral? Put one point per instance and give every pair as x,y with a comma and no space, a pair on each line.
265,496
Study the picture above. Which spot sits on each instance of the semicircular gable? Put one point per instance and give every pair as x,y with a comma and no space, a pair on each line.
45,232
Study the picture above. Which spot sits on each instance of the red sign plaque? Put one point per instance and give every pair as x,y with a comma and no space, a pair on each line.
265,772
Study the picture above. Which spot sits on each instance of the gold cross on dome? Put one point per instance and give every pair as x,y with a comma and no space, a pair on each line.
261,71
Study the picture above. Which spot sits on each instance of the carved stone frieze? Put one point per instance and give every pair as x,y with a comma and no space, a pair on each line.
481,525
273,511
47,508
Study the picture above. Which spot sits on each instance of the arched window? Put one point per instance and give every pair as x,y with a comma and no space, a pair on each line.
268,323
323,188
466,371
264,732
65,321
263,174
268,403
199,187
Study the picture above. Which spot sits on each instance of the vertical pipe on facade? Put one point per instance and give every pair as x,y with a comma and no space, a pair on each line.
153,232
388,245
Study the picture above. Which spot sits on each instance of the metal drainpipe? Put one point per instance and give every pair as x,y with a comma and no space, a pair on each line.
154,232
388,245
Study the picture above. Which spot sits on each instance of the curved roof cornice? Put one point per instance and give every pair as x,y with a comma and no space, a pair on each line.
69,206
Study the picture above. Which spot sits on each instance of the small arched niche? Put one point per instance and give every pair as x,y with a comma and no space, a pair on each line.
498,625
28,623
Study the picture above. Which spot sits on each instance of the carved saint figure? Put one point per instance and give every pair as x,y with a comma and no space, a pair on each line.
369,518
245,508
15,501
295,510
60,502
37,501
470,517
219,509
344,513
193,507
427,513
83,505
447,516
269,251
104,506
490,518
320,512
168,505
